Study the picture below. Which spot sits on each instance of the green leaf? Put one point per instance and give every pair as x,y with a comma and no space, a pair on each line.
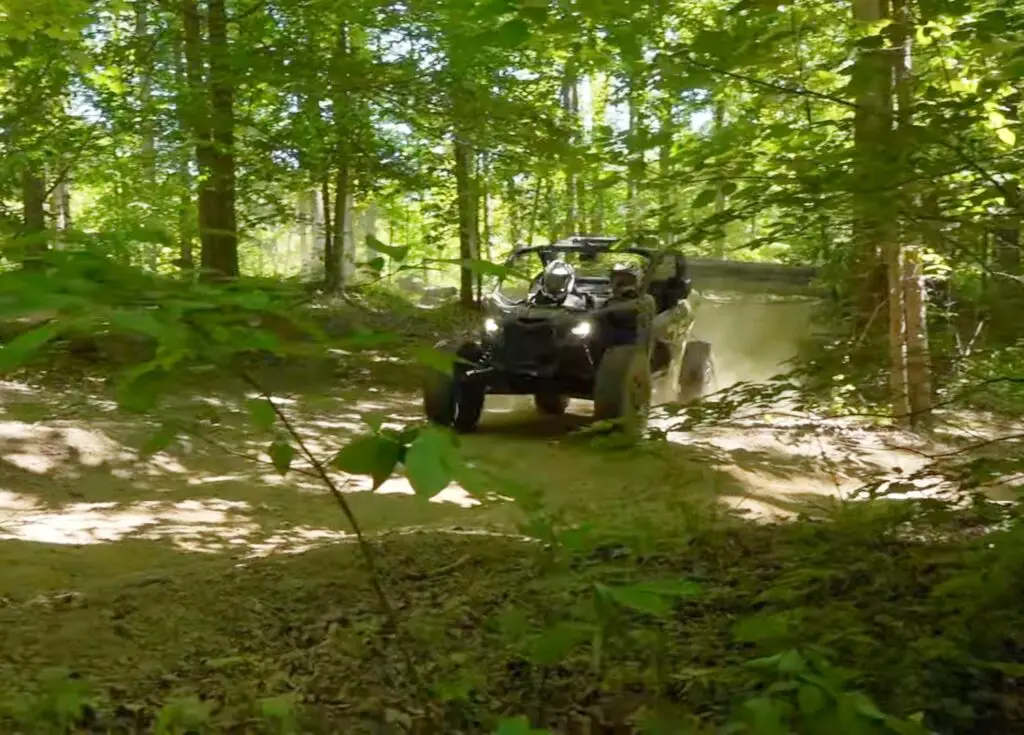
139,388
704,198
763,627
635,597
767,716
22,348
140,322
555,643
810,699
374,456
1007,136
864,707
158,440
395,252
430,461
513,33
485,267
439,360
671,588
280,713
513,623
373,419
728,187
518,726
261,413
791,662
281,454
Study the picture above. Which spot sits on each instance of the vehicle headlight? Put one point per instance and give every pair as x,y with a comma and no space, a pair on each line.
490,325
582,329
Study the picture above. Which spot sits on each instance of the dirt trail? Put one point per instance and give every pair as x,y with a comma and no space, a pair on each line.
69,474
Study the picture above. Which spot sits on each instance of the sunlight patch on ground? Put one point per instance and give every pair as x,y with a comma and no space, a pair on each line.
90,523
41,449
206,525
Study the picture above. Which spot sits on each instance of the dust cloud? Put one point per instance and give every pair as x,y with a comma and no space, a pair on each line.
753,336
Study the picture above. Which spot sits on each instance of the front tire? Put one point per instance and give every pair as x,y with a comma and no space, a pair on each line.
448,398
551,404
622,389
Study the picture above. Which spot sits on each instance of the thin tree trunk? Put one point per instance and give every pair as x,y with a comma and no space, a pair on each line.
329,247
348,249
186,209
197,111
144,68
464,164
918,358
666,218
635,155
897,333
720,198
60,207
220,260
336,274
1008,238
872,207
534,210
512,204
599,84
484,246
33,199
147,131
570,106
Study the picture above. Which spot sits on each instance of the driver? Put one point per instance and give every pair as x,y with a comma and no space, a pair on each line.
557,285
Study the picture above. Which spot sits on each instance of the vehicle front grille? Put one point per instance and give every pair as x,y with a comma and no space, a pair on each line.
527,343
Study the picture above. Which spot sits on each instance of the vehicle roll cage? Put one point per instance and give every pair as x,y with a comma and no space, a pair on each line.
582,244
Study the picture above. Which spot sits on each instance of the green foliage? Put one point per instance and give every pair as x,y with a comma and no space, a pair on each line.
804,693
61,701
280,715
181,716
428,455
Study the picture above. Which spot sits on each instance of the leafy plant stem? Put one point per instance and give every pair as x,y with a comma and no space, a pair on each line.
365,548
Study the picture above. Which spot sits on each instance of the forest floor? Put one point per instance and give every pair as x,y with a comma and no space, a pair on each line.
150,577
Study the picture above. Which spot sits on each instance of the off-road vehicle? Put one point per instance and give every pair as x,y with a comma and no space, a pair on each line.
604,319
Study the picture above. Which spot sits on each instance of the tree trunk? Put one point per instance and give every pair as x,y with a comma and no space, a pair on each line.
468,234
512,205
918,358
600,86
33,199
635,155
335,275
60,206
144,68
534,210
570,106
186,211
1008,237
348,249
666,217
220,247
329,254
873,213
720,198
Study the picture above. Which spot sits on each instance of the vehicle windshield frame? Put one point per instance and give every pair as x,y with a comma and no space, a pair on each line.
548,253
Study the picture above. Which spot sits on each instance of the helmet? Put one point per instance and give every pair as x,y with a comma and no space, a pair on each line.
625,280
557,280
